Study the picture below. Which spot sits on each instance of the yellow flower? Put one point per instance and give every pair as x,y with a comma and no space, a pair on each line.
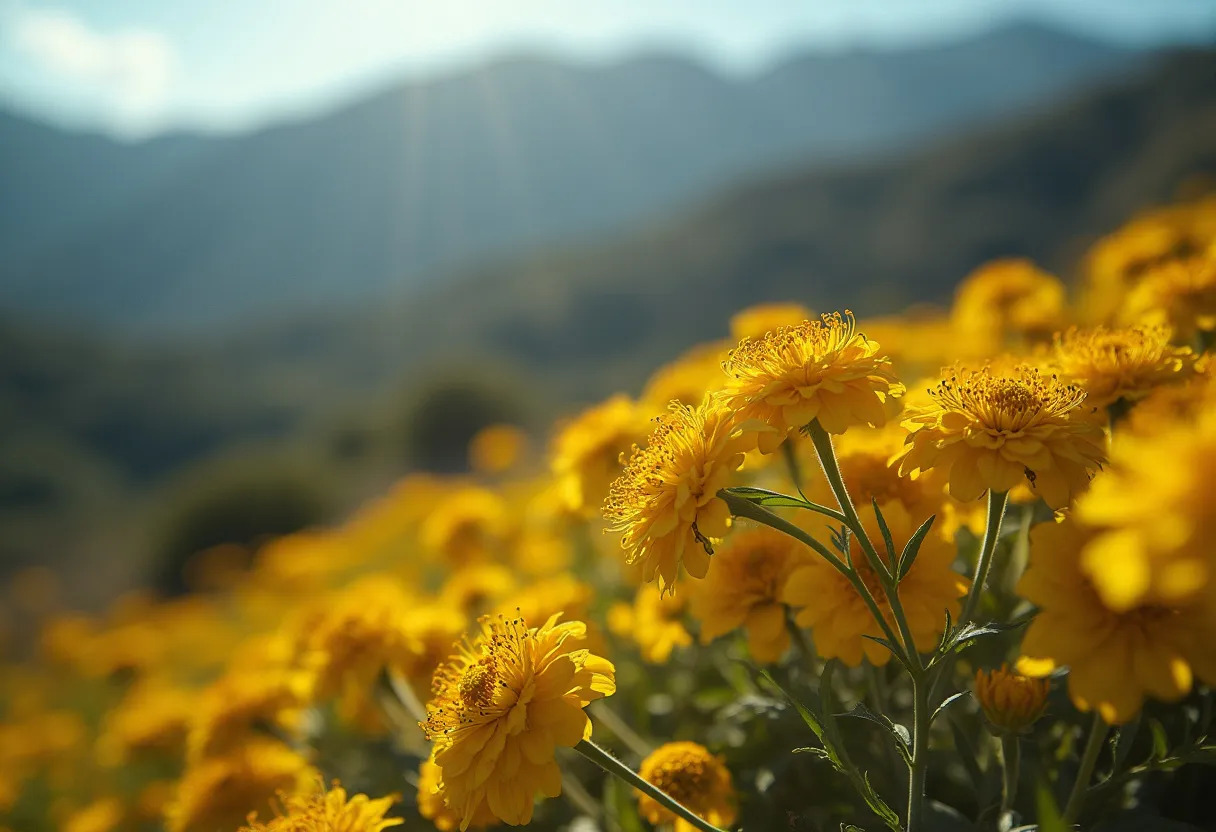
232,708
665,504
840,619
1006,300
688,378
654,622
1116,261
329,811
104,815
431,806
1012,702
992,429
152,717
1155,516
586,452
1180,293
697,780
500,708
221,792
763,318
1113,364
470,524
478,588
1116,658
823,369
497,448
744,589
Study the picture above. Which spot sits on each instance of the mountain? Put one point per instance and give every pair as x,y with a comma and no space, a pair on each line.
432,176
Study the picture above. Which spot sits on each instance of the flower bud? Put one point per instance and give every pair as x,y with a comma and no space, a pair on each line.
1012,702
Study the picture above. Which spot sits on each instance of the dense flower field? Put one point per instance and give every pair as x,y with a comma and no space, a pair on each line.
807,580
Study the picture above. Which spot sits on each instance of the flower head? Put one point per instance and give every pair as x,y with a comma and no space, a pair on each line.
329,811
470,525
1012,702
665,504
502,705
698,780
744,589
840,619
497,448
823,369
654,621
1113,364
1116,658
1007,299
1181,293
586,451
1154,513
992,429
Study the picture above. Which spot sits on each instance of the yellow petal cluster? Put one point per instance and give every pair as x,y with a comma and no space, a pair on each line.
1124,363
991,430
697,779
502,706
654,621
329,811
586,451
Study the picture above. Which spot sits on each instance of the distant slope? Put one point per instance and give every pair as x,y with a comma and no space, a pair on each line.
426,177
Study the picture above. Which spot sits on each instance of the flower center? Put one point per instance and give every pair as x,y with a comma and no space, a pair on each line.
478,682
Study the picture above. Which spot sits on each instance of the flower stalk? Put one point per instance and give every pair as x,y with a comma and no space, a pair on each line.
616,768
997,500
1089,759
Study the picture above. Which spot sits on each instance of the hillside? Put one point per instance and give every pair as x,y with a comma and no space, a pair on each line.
394,191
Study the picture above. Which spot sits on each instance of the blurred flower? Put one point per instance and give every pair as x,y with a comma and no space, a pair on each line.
839,617
153,717
329,811
687,379
744,588
221,792
432,807
1154,514
470,524
654,622
1114,364
763,318
1116,658
103,815
1011,702
822,369
665,504
501,707
496,449
586,452
242,703
478,588
1180,293
990,429
1006,300
696,779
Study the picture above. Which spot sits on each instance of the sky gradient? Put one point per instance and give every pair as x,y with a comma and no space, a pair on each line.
138,67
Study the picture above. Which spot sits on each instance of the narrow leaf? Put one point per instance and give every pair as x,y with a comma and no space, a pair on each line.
949,700
886,532
908,556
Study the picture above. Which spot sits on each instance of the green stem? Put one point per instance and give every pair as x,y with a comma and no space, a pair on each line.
920,753
1011,763
742,507
618,769
822,441
1089,759
996,511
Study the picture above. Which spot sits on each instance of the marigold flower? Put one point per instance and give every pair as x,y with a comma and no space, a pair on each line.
1155,516
823,369
329,811
230,710
221,792
1181,293
478,588
665,504
1113,364
586,452
993,429
502,705
471,524
1012,702
431,806
1116,658
497,448
153,716
1006,298
654,622
697,779
839,617
744,588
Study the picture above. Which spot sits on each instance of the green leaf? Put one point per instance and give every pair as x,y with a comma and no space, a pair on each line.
1050,818
908,556
1161,741
903,738
946,703
895,651
886,532
764,497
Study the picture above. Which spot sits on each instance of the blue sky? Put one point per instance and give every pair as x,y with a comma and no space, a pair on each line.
135,67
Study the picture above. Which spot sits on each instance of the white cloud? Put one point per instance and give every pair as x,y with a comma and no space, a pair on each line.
129,70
